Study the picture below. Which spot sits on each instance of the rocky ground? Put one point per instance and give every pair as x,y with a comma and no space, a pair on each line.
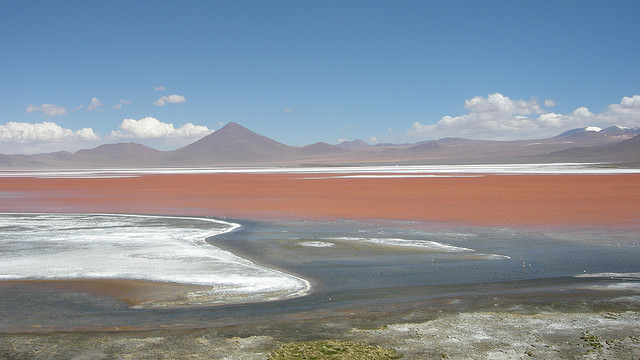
515,336
470,335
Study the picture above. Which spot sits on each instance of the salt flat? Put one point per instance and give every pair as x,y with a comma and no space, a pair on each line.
150,248
362,171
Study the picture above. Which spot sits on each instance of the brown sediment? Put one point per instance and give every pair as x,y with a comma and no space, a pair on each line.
131,292
510,200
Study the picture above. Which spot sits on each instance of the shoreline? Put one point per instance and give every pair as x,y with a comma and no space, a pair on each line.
140,292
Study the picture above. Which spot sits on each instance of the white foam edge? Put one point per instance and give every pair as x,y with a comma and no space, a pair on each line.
611,275
617,286
317,244
422,244
387,176
395,242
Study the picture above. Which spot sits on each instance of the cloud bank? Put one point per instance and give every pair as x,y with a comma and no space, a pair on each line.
26,138
152,128
499,117
21,132
30,138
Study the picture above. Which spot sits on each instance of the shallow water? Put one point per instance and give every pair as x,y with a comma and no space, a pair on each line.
356,269
391,254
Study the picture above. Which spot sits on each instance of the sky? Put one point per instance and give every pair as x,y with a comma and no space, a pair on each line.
76,74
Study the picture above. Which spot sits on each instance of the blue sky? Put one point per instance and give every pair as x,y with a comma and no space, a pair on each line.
164,73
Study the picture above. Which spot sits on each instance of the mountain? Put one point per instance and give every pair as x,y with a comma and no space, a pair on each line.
232,144
358,143
30,161
617,130
121,153
236,145
593,132
590,136
578,131
321,148
108,155
624,151
426,146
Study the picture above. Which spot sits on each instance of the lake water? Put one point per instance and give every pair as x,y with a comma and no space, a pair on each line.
258,272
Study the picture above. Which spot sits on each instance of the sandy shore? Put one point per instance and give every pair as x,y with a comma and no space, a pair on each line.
495,200
473,335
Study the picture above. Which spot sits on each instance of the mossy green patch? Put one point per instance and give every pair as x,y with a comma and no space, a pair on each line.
333,350
591,340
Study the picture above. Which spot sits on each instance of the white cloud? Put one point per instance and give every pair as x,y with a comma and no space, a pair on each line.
160,88
28,138
499,117
117,107
87,134
21,132
94,104
499,104
287,110
173,99
625,113
152,128
48,110
494,114
582,112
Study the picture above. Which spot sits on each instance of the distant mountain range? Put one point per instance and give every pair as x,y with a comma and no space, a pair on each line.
235,145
